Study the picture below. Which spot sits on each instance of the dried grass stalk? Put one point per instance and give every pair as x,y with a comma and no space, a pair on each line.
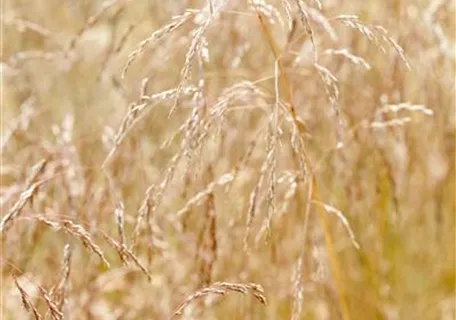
137,110
126,255
350,56
59,292
143,212
206,249
56,314
195,48
332,91
27,111
157,35
92,20
306,23
298,290
342,218
119,213
374,33
146,212
26,195
405,106
195,200
223,288
251,212
273,137
77,231
26,302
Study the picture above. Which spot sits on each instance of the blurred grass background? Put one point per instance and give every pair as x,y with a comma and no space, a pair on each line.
63,100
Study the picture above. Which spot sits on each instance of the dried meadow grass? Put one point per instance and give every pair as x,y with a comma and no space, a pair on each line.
222,288
242,129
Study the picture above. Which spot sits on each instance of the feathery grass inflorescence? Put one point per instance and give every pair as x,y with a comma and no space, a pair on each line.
75,230
26,301
283,144
30,190
222,288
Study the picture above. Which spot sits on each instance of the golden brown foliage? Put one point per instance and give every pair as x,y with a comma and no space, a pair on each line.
157,155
